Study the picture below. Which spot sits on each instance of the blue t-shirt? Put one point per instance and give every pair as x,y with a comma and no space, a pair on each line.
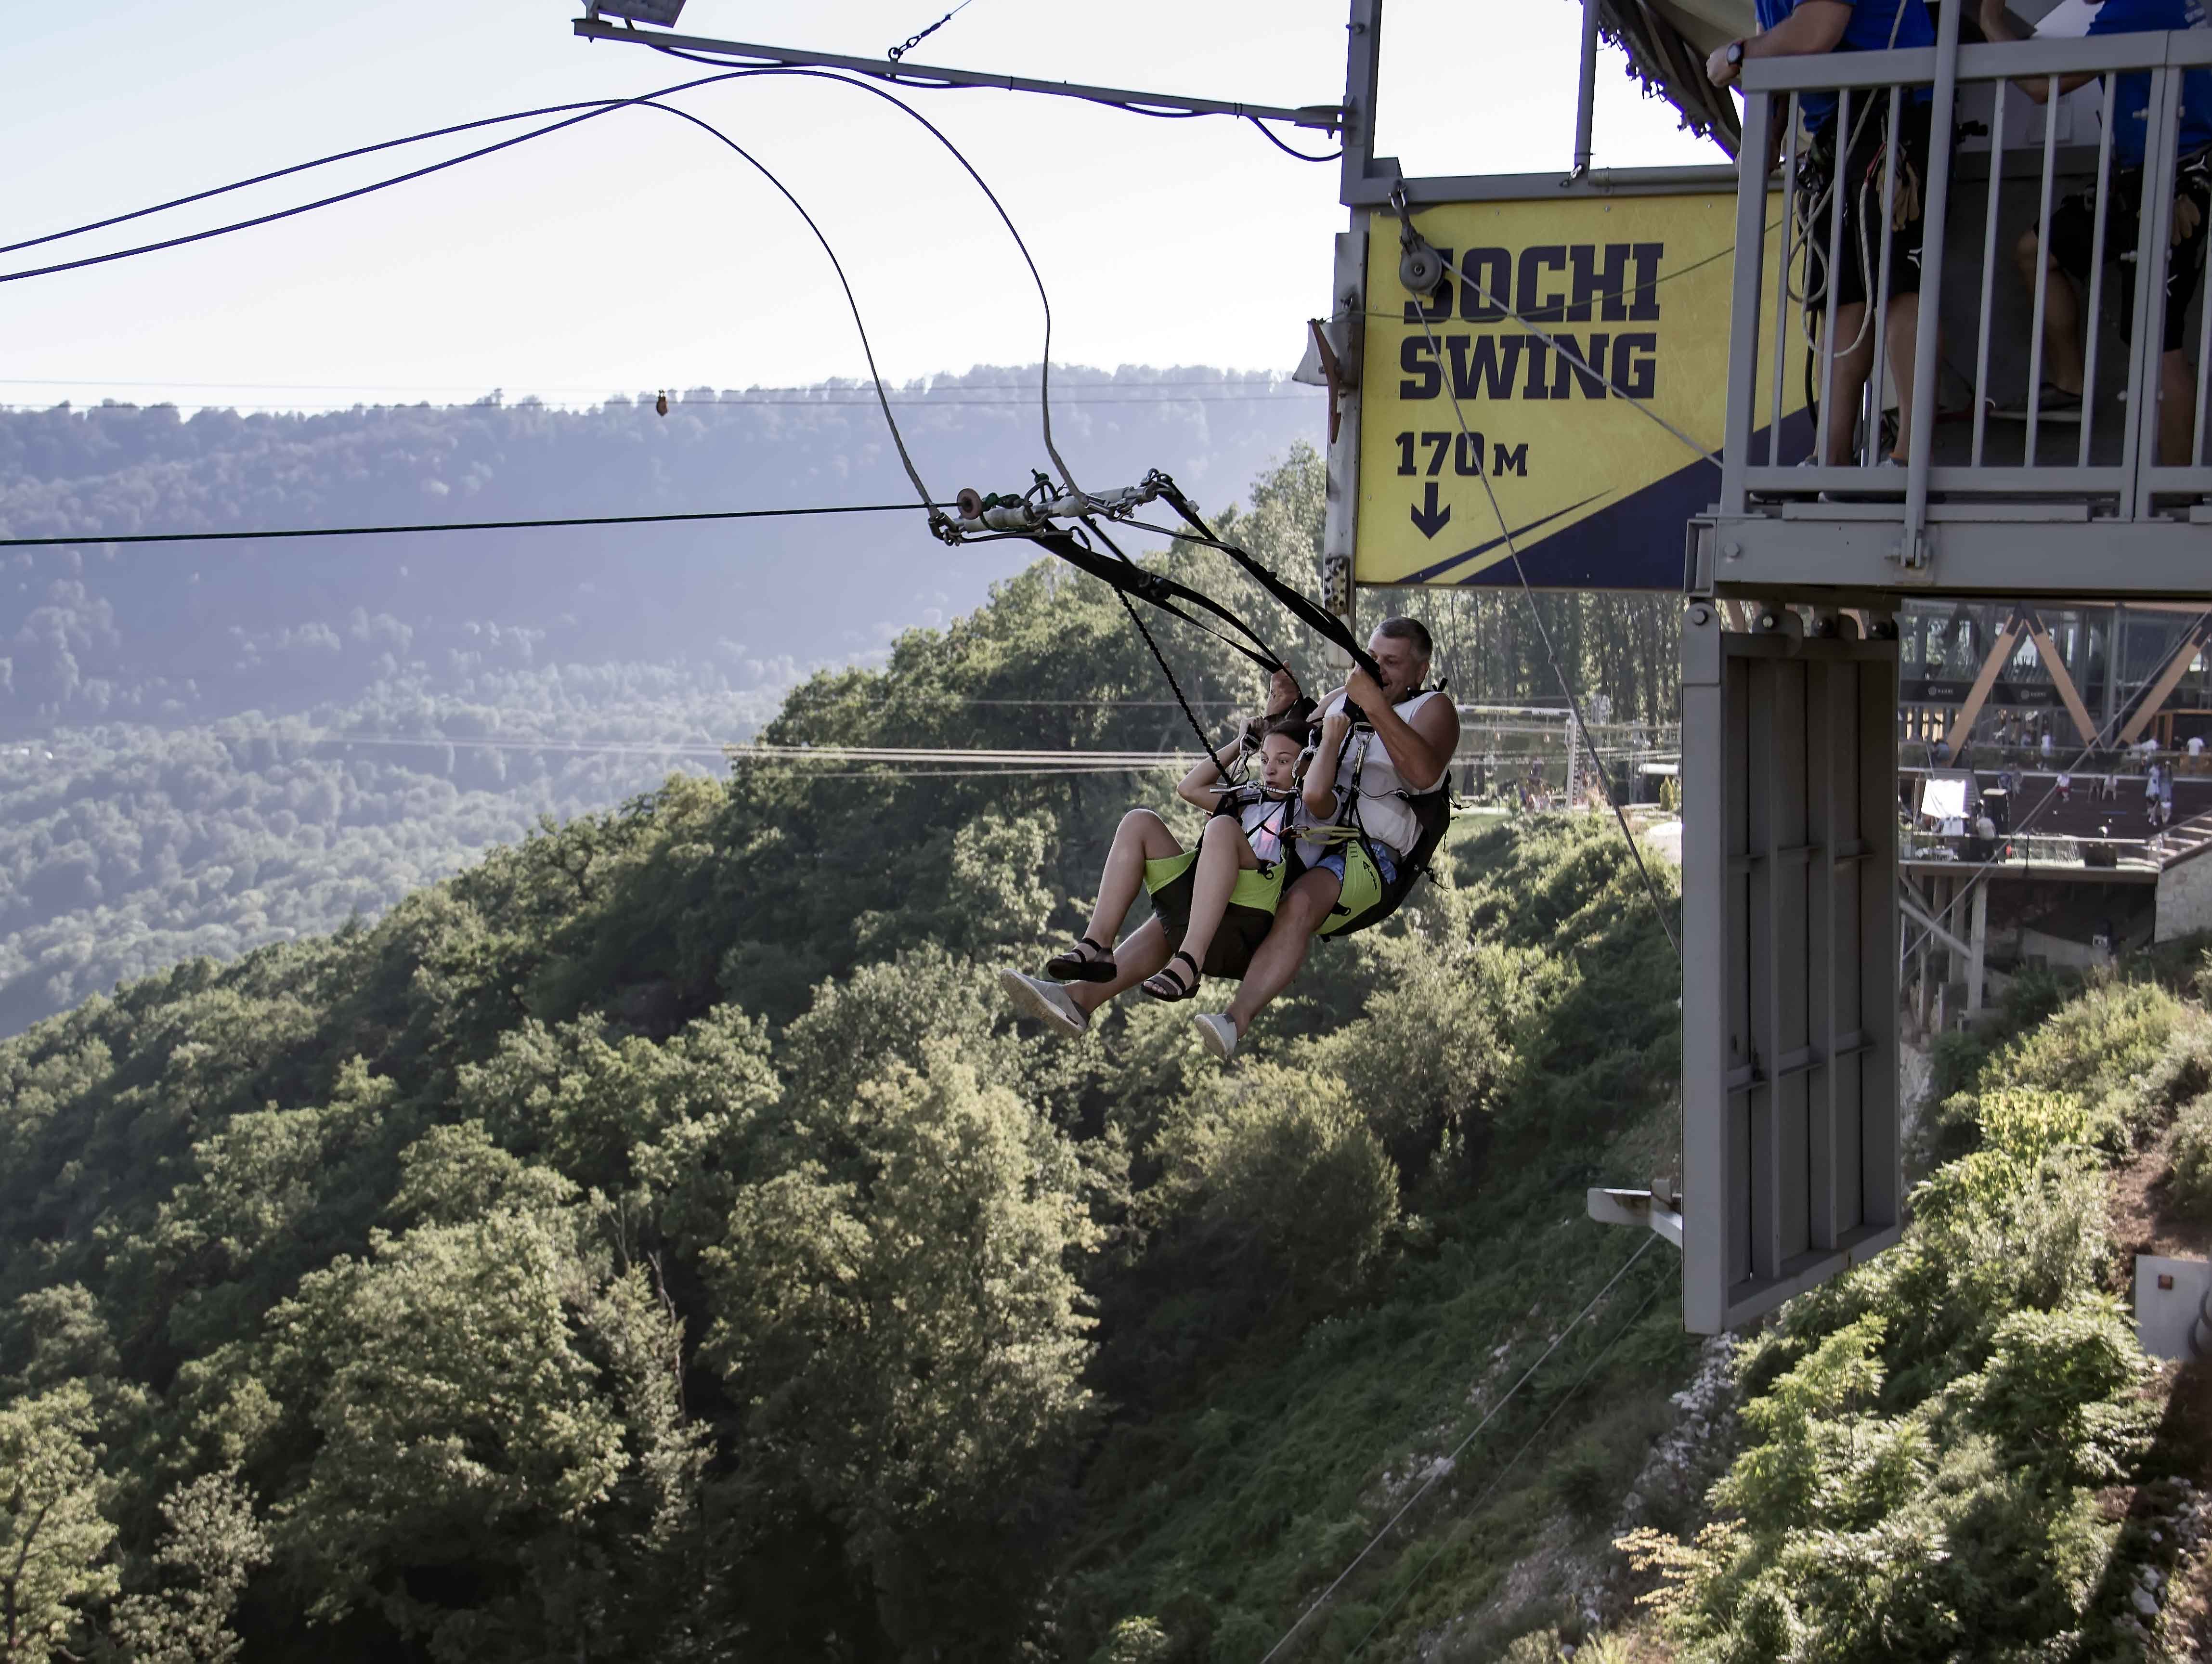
1875,26
2131,110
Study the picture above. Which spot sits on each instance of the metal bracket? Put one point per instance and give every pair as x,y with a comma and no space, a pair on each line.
1661,1212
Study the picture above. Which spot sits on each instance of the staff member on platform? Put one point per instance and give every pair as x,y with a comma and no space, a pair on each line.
1795,28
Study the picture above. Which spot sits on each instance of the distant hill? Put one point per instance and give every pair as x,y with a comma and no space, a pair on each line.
167,633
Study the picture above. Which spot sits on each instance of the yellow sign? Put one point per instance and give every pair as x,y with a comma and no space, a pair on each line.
1585,343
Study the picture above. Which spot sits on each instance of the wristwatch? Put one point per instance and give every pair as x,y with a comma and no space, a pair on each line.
1735,54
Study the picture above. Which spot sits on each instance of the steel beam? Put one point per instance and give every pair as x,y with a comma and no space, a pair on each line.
1328,117
2047,650
1982,553
1986,678
2168,680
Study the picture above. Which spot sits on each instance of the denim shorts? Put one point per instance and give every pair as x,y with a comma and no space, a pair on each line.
1333,862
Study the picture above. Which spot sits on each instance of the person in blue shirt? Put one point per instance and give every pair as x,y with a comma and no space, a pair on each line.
1789,28
2074,221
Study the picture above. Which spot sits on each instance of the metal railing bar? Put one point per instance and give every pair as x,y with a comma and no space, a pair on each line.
1825,368
1941,476
2042,270
1742,394
1878,295
2092,313
2154,219
1988,268
2203,368
1927,360
1782,319
2022,60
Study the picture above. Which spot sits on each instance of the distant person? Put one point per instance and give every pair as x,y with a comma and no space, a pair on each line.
2065,787
2165,797
2195,745
2074,221
2152,777
2047,747
1793,29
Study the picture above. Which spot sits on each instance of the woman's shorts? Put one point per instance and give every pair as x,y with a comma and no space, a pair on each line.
1250,915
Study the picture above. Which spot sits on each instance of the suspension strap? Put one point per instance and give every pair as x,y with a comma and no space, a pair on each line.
1126,577
1322,622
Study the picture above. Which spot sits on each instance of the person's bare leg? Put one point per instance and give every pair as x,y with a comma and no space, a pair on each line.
2177,409
1223,851
1847,379
2063,363
1303,910
1898,342
1145,954
1142,836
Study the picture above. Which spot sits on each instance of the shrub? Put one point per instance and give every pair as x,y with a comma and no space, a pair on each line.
2190,1175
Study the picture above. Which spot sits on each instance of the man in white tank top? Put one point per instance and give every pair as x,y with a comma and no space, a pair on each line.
1409,749
1411,744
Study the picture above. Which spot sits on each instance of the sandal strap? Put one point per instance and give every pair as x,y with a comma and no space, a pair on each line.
1187,960
1096,947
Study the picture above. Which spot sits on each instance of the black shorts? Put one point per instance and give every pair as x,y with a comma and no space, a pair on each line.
1860,185
2074,232
1237,939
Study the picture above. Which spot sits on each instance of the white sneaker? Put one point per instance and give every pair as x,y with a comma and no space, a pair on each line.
1218,1030
1048,1002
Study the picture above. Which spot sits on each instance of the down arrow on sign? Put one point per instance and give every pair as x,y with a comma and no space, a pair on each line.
1427,516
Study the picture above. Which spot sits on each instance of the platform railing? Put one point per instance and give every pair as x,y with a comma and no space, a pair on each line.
2002,458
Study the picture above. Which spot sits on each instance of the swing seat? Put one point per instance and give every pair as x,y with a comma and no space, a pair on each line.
1244,926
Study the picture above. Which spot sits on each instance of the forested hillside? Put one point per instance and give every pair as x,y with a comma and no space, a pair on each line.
656,1240
207,749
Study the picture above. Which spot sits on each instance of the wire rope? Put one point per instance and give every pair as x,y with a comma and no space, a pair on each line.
456,525
1438,1469
1544,634
1498,1478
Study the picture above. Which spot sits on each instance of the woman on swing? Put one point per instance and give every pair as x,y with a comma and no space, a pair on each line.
1230,879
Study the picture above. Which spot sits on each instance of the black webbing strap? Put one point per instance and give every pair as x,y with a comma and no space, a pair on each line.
1163,591
1323,623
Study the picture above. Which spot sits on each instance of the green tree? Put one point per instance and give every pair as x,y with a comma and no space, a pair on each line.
54,1539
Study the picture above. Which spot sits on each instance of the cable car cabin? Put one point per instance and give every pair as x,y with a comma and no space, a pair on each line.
1644,379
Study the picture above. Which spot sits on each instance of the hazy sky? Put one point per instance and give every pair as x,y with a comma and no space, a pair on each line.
635,252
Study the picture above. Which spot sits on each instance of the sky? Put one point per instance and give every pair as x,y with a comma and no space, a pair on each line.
635,252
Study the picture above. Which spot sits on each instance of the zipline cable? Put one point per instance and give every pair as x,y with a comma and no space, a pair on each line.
1044,364
1439,1469
1543,632
457,526
1498,1478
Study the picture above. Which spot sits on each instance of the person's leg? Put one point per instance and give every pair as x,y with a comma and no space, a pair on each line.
1303,910
1223,851
1847,379
1899,340
2176,408
1142,956
2063,363
1142,836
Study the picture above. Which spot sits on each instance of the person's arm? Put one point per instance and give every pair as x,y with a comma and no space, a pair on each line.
1421,750
1203,785
1997,25
1320,792
1815,27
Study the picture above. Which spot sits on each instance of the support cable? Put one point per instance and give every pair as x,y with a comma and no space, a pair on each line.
1498,1478
455,525
1437,1470
1044,364
1544,634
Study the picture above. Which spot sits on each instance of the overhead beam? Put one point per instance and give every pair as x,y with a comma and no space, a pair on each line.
1977,696
2168,679
1909,904
1327,118
2047,650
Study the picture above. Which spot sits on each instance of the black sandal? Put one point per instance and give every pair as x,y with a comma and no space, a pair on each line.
1166,986
1076,966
